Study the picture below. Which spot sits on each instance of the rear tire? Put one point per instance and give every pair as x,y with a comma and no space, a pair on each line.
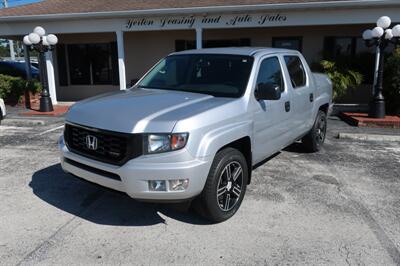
314,140
225,186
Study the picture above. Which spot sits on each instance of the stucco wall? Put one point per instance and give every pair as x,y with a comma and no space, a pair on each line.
144,49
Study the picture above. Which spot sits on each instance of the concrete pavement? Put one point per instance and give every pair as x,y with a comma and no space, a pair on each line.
340,206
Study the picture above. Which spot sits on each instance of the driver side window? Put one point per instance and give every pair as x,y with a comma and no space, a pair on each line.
271,72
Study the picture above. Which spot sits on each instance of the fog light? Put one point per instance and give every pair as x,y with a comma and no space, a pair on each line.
178,184
157,185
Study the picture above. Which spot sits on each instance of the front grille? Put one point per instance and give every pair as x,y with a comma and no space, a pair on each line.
111,147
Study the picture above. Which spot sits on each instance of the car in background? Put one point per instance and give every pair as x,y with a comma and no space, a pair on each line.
2,110
17,69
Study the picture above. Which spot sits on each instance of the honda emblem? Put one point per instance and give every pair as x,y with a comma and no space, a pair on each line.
91,142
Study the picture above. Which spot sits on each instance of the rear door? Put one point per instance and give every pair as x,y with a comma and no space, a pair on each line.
271,117
302,94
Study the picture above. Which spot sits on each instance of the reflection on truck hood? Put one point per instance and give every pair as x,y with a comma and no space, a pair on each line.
140,110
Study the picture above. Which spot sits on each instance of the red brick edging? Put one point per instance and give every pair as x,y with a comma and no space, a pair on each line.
59,110
362,120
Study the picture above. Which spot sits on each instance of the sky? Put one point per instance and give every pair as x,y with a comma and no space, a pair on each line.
18,2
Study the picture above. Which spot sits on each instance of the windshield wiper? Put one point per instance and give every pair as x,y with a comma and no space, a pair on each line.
152,87
175,89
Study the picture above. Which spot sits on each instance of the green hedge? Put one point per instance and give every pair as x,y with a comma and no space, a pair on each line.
12,88
342,78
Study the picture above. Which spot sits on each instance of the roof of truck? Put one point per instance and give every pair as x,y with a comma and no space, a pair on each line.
249,51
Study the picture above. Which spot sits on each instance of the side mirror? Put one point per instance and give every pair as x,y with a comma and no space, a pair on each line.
268,91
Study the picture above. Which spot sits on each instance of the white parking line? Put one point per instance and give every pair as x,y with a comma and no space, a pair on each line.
50,130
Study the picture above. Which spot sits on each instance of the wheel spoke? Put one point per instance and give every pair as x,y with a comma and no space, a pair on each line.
221,191
236,190
227,200
237,173
228,172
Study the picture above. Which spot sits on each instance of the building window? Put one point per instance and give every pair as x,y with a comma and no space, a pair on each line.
181,45
293,43
335,47
87,64
90,64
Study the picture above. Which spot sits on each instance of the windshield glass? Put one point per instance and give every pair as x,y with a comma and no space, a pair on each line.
216,74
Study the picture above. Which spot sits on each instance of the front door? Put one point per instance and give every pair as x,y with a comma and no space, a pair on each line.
271,117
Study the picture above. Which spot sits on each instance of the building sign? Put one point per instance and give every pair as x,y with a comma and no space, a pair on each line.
208,21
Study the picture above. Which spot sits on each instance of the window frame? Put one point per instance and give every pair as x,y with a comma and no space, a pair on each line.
257,73
306,83
328,48
111,81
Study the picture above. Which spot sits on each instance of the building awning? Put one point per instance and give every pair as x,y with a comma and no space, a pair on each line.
64,9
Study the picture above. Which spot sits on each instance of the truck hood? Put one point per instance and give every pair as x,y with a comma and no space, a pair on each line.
139,110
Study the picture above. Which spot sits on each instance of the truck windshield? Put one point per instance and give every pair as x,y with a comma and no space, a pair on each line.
219,75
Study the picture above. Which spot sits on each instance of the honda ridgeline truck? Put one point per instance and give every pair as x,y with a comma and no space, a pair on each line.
195,125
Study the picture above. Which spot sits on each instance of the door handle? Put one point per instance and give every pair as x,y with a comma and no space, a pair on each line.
287,106
311,97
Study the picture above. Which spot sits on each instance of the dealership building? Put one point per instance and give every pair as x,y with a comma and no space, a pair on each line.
108,45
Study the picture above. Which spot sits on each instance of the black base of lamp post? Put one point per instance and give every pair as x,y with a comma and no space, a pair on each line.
377,108
45,104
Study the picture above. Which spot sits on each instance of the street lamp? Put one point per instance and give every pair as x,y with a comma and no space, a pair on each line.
42,44
380,36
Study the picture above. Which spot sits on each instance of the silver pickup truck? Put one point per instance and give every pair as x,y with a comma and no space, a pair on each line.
195,125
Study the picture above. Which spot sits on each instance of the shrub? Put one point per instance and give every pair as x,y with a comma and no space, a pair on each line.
12,88
342,78
391,85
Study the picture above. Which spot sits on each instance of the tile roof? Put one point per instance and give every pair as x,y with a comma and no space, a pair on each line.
91,6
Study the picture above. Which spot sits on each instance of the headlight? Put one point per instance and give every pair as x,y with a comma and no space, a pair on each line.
157,143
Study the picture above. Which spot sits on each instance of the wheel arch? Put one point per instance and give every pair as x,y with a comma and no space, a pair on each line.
244,146
324,108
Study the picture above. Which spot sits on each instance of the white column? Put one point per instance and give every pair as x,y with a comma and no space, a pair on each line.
12,53
50,77
199,38
121,60
377,56
27,63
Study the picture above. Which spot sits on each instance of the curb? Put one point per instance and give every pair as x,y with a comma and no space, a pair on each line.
22,122
369,137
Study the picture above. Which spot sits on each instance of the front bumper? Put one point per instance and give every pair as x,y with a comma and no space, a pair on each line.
134,174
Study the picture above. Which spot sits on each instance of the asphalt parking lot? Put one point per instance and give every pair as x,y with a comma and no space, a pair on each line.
340,206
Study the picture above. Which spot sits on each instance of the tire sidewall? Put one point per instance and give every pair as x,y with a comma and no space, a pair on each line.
316,143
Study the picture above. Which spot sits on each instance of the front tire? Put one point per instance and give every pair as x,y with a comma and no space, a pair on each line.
314,140
225,186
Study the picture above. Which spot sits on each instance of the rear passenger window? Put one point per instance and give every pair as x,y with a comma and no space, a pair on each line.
271,72
296,71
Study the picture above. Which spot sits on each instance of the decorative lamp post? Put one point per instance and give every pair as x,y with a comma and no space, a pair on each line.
42,44
380,36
